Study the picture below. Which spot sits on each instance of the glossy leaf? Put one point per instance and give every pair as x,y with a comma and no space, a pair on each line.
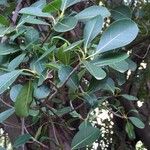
92,29
53,6
137,122
34,11
64,72
92,12
21,140
24,99
129,97
111,58
65,24
121,67
7,79
85,136
16,61
6,114
121,12
118,34
97,72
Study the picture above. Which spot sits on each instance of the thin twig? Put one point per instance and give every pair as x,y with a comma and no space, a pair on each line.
8,105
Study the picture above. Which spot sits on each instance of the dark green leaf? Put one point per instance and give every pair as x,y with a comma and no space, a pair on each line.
129,97
130,130
85,136
4,21
97,72
66,24
116,35
137,122
24,99
21,140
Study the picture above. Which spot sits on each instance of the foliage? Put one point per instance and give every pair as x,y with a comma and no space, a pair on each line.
51,78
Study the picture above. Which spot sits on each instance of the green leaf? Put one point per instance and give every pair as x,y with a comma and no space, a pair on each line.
41,92
92,12
118,34
34,11
129,128
67,3
4,21
5,114
137,122
7,49
66,24
53,6
32,20
129,97
92,29
121,66
86,135
97,72
7,79
21,140
64,72
73,45
24,99
47,52
15,90
111,58
121,12
16,61
39,4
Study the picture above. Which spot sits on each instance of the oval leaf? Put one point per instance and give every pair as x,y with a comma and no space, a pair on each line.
23,100
129,97
118,34
137,122
65,24
92,29
97,72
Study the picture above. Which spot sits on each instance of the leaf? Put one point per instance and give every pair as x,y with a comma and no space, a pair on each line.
111,58
34,11
92,12
118,34
97,72
32,20
4,21
66,24
7,79
6,114
85,136
121,12
16,61
23,100
137,122
73,45
21,140
129,128
129,97
47,52
41,92
53,6
64,72
7,49
121,66
15,90
92,29
67,3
